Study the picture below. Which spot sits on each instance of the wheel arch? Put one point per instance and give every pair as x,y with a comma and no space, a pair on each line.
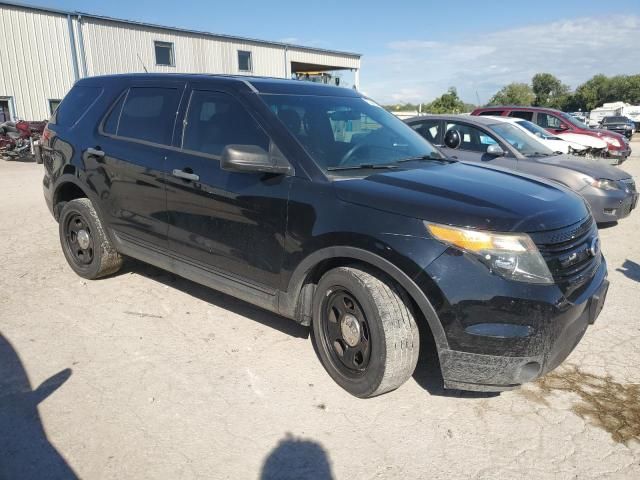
68,188
296,301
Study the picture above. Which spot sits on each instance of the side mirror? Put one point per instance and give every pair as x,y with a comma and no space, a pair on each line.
495,150
252,158
452,139
562,127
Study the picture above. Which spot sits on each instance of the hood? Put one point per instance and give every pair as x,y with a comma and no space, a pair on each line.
467,195
593,168
603,131
587,140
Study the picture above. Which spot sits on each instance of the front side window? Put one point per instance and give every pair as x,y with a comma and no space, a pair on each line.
472,138
549,121
164,54
148,114
244,61
347,131
215,120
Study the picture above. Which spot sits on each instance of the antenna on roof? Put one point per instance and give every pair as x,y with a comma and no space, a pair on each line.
145,68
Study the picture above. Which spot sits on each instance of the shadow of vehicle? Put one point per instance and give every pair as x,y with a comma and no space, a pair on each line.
630,270
296,458
25,451
216,298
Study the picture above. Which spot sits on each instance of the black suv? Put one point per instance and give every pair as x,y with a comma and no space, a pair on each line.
315,203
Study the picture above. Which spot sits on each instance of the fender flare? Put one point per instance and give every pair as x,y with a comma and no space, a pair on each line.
289,299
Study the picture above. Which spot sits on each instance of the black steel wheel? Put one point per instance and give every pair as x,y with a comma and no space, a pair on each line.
85,245
364,331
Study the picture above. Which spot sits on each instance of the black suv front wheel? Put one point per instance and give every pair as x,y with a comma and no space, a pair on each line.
364,331
86,247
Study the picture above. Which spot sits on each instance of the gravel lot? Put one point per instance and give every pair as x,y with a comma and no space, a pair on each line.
145,375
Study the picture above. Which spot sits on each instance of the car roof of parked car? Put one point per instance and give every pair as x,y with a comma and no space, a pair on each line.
257,84
472,119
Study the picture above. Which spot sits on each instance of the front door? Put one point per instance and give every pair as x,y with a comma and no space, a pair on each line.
552,123
474,143
229,223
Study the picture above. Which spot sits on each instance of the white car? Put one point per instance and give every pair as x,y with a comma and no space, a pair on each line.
554,142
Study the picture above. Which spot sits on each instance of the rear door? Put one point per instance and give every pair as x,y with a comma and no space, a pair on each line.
227,223
131,159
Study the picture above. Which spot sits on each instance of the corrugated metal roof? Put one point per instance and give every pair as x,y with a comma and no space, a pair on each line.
175,29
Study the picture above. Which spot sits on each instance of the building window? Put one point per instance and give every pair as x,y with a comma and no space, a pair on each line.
244,61
53,105
164,54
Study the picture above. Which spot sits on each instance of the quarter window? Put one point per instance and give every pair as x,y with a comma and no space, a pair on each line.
148,114
53,105
164,54
244,61
75,105
215,120
429,130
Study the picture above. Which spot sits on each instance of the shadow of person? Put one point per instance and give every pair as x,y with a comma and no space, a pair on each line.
630,270
297,458
25,451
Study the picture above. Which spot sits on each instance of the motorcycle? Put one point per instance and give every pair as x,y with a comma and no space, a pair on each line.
17,139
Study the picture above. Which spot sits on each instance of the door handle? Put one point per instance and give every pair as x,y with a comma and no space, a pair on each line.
95,152
185,175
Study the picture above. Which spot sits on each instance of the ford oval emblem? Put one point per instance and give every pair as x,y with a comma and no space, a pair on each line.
594,248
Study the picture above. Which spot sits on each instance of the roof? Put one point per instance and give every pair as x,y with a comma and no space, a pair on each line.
174,29
472,119
519,107
258,84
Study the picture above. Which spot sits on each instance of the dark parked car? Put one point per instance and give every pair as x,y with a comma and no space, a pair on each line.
611,192
563,124
315,203
618,124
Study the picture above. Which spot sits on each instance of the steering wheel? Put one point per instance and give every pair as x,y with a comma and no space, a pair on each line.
351,153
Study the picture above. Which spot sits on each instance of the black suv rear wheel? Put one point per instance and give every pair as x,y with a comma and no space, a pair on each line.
364,331
86,247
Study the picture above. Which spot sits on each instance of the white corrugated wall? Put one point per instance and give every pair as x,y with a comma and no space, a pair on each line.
35,60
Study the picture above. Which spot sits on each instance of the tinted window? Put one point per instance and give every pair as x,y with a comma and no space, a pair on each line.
164,53
215,120
244,61
473,138
548,121
523,115
74,105
615,119
428,129
53,106
495,113
110,125
149,114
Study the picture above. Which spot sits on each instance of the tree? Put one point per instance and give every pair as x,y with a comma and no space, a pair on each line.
514,94
447,103
549,91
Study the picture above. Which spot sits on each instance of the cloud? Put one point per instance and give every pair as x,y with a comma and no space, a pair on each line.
417,70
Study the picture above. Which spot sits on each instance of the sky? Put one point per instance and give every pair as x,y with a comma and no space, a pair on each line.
413,51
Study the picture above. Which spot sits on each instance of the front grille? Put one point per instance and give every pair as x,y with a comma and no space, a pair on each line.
630,184
569,254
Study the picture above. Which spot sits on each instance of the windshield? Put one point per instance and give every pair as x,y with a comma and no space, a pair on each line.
574,121
535,129
615,120
343,132
522,142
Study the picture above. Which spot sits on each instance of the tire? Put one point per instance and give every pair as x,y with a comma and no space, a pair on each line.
388,340
99,258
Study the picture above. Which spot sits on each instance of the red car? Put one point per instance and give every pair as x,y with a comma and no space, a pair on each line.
559,122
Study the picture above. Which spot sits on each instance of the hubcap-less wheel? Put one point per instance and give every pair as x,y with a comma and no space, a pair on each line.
79,240
346,333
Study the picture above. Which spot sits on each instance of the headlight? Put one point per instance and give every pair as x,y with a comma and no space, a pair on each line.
611,141
605,184
512,256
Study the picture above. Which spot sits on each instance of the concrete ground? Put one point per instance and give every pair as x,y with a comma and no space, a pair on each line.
145,375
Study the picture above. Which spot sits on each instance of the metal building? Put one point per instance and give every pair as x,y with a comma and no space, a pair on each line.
44,51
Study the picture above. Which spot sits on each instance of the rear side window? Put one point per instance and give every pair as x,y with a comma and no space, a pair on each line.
494,113
75,105
523,115
148,114
429,129
215,120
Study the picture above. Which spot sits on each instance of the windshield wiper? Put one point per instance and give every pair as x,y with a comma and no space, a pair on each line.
362,166
431,156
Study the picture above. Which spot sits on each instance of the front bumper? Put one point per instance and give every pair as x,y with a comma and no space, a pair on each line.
610,206
542,325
